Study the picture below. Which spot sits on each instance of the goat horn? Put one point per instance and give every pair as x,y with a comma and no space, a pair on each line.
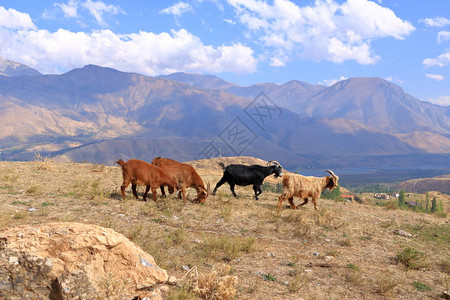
332,174
273,162
208,188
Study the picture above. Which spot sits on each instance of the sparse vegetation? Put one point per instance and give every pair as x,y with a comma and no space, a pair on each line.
225,247
384,282
335,194
412,259
251,237
421,287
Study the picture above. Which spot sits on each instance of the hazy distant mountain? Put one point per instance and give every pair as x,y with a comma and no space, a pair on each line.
210,82
291,95
380,104
374,102
12,68
99,114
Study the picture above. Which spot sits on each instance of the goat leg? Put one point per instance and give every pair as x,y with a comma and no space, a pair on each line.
291,202
147,188
182,194
133,188
258,191
163,194
221,181
314,200
280,201
122,191
232,190
154,194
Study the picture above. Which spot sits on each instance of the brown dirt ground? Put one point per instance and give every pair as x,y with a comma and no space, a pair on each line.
343,251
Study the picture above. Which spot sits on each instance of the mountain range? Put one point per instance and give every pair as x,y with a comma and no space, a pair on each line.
99,114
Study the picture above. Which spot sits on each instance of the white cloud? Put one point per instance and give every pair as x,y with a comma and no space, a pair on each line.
144,52
330,82
14,19
74,8
436,22
229,21
443,36
440,61
177,9
70,9
436,77
99,10
443,100
326,30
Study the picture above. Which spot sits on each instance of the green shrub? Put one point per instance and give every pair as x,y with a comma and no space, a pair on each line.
411,259
421,287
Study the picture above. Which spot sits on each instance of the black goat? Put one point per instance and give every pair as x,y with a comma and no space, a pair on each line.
245,175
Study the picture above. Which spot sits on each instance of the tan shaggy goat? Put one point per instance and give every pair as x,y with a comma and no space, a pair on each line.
138,172
185,175
295,185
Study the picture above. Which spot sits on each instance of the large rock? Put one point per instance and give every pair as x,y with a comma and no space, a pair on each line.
75,261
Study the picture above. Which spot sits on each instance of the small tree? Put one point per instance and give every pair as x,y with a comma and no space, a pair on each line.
333,195
401,198
433,205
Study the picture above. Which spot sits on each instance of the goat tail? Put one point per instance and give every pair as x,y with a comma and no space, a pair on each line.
120,162
222,165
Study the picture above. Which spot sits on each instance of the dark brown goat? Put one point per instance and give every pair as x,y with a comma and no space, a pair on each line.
185,175
138,172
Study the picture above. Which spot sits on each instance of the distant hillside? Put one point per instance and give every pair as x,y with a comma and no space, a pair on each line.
99,114
210,82
12,68
373,102
422,185
379,104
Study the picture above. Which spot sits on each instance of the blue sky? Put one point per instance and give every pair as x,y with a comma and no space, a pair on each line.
243,41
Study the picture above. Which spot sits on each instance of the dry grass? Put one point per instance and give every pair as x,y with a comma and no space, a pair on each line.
343,251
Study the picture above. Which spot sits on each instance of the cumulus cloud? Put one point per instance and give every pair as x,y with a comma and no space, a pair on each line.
144,52
13,19
440,61
436,77
326,30
177,9
436,22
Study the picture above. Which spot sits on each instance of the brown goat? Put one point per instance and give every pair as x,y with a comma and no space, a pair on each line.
305,187
185,175
138,172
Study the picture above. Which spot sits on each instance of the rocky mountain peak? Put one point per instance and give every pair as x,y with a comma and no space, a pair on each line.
12,68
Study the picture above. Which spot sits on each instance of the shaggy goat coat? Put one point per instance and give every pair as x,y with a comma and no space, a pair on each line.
295,185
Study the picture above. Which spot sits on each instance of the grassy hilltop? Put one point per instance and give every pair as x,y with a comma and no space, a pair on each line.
343,251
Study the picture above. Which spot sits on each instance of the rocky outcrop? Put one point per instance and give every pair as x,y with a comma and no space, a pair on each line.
75,261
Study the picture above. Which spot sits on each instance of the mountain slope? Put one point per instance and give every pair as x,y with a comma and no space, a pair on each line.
209,82
380,104
373,102
103,111
12,68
